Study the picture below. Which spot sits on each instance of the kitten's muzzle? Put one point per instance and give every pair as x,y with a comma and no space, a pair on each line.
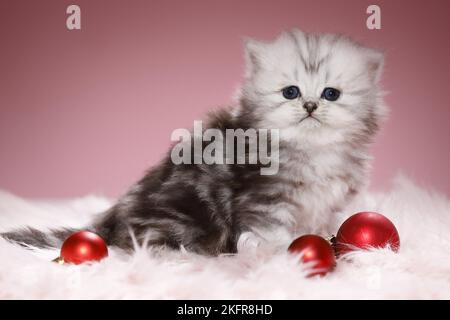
310,107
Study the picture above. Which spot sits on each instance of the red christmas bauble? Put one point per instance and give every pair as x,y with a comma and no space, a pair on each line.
83,246
366,230
314,249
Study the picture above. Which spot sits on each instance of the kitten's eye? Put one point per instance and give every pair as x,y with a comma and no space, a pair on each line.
291,92
331,94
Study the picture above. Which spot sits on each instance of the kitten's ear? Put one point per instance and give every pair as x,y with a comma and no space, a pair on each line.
253,56
375,64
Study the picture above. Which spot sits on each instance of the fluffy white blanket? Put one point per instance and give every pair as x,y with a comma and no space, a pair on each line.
421,270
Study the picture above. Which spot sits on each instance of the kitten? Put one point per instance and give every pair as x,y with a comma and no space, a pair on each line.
322,93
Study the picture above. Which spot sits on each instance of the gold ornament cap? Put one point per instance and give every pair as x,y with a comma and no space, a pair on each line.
59,260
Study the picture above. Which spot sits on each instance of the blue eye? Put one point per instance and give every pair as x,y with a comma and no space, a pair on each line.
331,94
291,92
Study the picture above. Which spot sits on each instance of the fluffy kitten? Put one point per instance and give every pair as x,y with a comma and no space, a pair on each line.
322,93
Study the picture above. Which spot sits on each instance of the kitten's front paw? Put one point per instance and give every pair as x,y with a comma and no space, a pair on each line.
248,242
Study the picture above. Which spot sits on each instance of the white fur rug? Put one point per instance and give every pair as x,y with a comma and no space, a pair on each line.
421,270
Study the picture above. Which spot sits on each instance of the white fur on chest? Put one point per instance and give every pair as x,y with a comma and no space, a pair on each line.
323,181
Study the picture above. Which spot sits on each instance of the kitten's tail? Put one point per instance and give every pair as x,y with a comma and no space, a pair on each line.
33,238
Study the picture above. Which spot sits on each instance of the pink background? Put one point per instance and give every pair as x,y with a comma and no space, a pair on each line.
88,111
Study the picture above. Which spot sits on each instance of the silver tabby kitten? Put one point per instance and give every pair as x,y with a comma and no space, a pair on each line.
322,93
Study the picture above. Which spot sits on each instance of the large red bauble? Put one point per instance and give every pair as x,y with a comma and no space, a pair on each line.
83,246
314,249
365,230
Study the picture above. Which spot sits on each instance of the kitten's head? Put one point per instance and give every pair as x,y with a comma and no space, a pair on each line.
318,89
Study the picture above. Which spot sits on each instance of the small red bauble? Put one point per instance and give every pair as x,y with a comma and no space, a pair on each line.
83,246
314,249
366,230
